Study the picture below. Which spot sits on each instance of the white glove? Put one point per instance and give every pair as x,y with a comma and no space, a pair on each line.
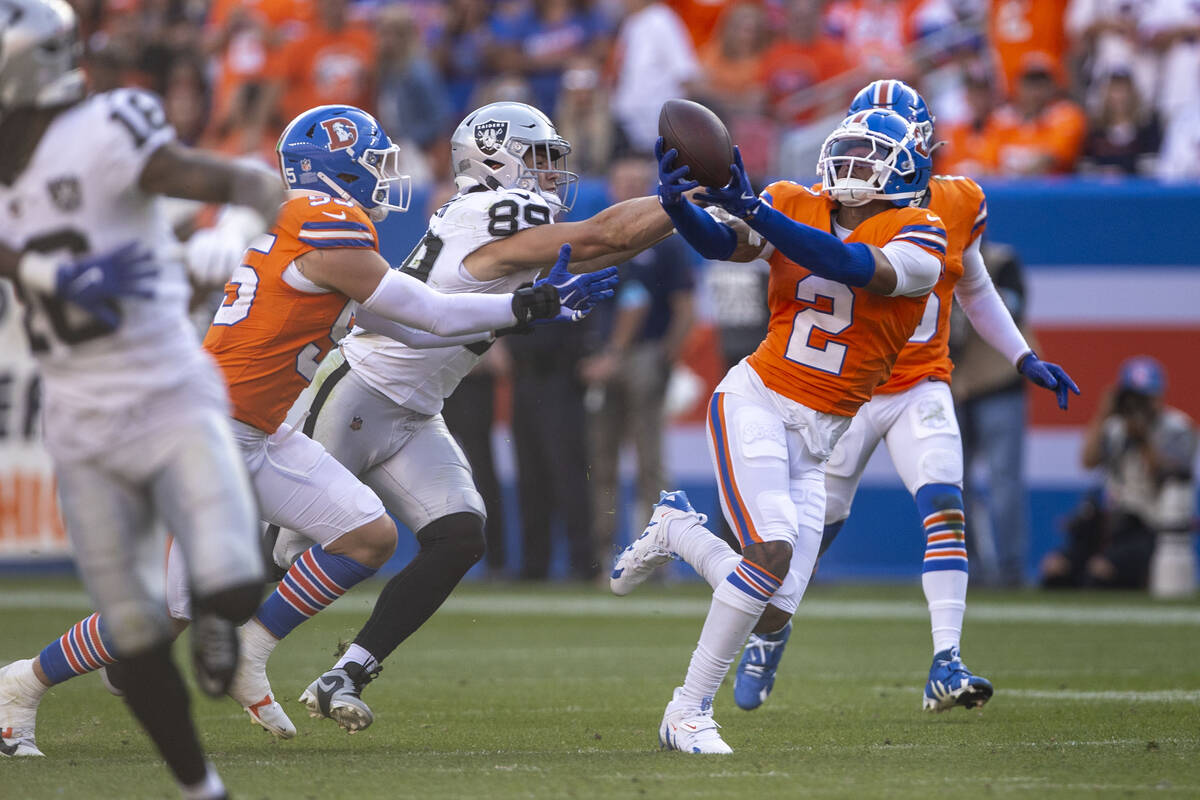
212,255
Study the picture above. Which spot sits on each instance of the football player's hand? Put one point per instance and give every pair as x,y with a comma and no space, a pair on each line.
671,183
1048,376
94,282
212,256
578,294
737,197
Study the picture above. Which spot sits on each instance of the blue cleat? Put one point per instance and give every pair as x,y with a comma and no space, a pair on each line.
652,549
756,672
951,684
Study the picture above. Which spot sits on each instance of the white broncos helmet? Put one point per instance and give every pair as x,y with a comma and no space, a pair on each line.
39,55
513,146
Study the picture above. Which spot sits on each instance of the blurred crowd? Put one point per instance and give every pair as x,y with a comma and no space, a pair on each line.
1019,87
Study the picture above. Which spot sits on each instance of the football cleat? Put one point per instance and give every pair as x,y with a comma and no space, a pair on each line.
18,709
690,730
756,671
252,689
338,695
951,684
651,550
214,653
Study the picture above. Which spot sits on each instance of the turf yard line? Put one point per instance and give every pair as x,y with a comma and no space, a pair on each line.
1071,696
506,602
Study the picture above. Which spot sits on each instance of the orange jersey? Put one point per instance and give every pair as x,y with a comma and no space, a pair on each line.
1019,29
274,326
960,204
828,344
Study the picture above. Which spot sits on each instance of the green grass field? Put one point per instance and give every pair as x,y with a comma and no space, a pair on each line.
520,692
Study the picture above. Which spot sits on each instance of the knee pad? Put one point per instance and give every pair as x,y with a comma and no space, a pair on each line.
236,604
457,536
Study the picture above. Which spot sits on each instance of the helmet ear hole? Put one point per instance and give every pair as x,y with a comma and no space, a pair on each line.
492,163
347,177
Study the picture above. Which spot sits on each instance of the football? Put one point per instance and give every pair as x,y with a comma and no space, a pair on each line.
700,137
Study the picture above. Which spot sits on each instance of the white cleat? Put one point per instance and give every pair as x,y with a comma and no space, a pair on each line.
252,689
652,549
690,729
20,693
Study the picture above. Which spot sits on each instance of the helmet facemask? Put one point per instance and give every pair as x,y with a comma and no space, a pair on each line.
856,165
543,169
384,166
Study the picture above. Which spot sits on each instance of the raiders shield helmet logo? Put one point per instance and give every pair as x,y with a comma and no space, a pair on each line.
490,135
66,193
342,132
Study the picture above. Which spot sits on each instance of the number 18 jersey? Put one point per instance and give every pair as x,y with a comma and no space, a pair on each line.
77,196
829,345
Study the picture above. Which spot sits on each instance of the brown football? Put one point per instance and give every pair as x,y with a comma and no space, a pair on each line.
700,137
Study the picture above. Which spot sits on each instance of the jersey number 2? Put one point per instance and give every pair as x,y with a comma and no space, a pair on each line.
828,308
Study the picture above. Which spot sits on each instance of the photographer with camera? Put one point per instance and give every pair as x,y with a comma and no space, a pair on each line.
1145,451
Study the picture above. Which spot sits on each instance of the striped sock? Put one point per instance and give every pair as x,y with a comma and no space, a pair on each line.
736,606
944,574
82,649
313,582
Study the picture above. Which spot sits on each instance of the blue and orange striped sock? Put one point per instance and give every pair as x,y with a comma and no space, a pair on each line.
84,648
737,604
313,582
944,574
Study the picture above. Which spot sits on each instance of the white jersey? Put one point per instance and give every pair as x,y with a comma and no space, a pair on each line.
78,196
422,379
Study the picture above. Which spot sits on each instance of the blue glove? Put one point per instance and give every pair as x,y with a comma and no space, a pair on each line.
737,197
709,238
94,283
577,294
671,184
1048,376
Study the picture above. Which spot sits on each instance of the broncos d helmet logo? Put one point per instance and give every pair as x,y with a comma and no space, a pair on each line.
342,133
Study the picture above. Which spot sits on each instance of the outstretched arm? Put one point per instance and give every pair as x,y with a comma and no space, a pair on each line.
610,237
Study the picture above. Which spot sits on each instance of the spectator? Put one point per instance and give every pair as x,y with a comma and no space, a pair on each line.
643,331
878,32
1145,451
1019,28
701,18
549,429
989,402
331,62
1123,137
970,143
462,51
733,84
1040,132
247,39
1104,41
654,63
1179,157
1172,28
542,41
583,117
185,99
412,99
800,60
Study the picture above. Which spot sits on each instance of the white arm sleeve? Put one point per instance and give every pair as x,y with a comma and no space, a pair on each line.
404,299
917,269
414,338
985,310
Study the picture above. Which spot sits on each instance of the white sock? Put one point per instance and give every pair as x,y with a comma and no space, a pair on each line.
359,655
946,594
257,642
736,607
210,788
703,550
